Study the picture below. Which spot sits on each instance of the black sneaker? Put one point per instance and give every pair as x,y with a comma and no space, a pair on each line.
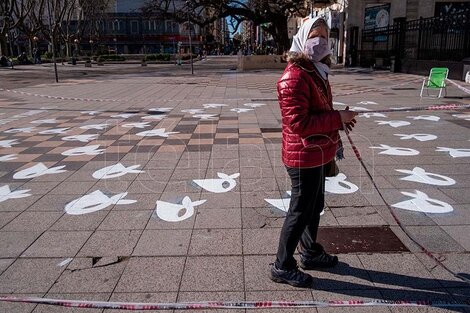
293,277
322,260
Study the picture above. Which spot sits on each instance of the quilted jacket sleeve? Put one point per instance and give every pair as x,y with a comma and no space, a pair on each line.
294,98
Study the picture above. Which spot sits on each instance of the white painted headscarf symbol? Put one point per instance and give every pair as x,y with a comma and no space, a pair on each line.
462,116
367,102
154,117
419,137
160,109
46,121
388,150
91,112
123,115
369,115
8,157
431,118
419,175
241,110
339,185
27,130
95,201
205,116
224,184
358,109
193,111
420,202
254,105
136,125
455,153
38,170
171,212
283,204
7,194
116,170
213,105
394,124
86,150
95,126
156,133
8,143
54,131
81,138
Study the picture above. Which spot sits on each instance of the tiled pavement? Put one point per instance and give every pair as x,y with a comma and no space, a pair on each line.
126,251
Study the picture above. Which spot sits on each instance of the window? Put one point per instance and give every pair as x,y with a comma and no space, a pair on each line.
134,26
116,25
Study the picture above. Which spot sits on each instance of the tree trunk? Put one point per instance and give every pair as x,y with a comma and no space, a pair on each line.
3,47
278,29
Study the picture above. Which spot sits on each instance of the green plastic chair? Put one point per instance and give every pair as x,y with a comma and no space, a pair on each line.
436,80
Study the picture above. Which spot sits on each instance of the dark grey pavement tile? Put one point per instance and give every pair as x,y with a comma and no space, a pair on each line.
147,186
52,203
262,217
110,243
19,205
156,297
82,275
458,195
218,218
257,199
72,188
211,296
218,273
13,243
40,188
7,217
33,221
43,308
80,222
110,186
153,274
5,263
435,239
260,241
398,271
126,220
56,244
158,175
225,200
163,243
216,242
258,185
30,276
460,234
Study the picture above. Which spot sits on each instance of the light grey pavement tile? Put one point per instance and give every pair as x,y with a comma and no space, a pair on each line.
281,296
257,199
161,175
43,308
110,243
18,307
356,216
256,172
348,294
216,242
110,186
435,239
55,244
212,296
413,295
188,174
409,218
347,200
460,234
398,271
72,188
33,221
53,203
80,222
83,175
19,205
459,195
160,297
260,241
147,186
218,218
5,263
7,217
126,220
82,276
154,274
40,188
224,164
262,217
259,185
328,219
163,243
179,186
217,273
460,216
459,263
30,276
218,201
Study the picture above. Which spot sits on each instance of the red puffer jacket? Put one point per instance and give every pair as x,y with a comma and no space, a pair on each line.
309,123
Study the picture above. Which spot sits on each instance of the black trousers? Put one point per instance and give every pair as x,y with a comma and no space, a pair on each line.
302,219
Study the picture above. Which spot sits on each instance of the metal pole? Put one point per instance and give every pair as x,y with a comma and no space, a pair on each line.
52,42
190,41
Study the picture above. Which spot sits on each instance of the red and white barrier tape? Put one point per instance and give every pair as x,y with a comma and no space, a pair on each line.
421,108
235,305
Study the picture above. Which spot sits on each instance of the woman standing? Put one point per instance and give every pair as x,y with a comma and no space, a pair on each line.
309,142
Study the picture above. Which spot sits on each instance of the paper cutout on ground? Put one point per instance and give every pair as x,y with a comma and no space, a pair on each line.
358,109
95,201
254,105
213,105
64,262
284,203
156,133
420,202
394,124
462,116
116,170
369,115
86,150
419,175
432,118
388,150
205,116
46,121
367,102
123,115
8,157
160,109
27,130
455,153
171,212
224,184
241,110
95,126
339,185
38,170
7,194
81,138
8,143
136,125
54,131
154,117
193,111
419,137
91,112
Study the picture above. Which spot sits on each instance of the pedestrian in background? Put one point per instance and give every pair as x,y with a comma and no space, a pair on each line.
310,141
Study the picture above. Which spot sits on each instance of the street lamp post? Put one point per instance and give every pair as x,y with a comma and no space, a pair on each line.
188,3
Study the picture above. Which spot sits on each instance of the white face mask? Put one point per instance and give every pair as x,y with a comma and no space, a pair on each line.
316,49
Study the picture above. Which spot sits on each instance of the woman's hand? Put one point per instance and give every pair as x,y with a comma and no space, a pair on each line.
347,118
